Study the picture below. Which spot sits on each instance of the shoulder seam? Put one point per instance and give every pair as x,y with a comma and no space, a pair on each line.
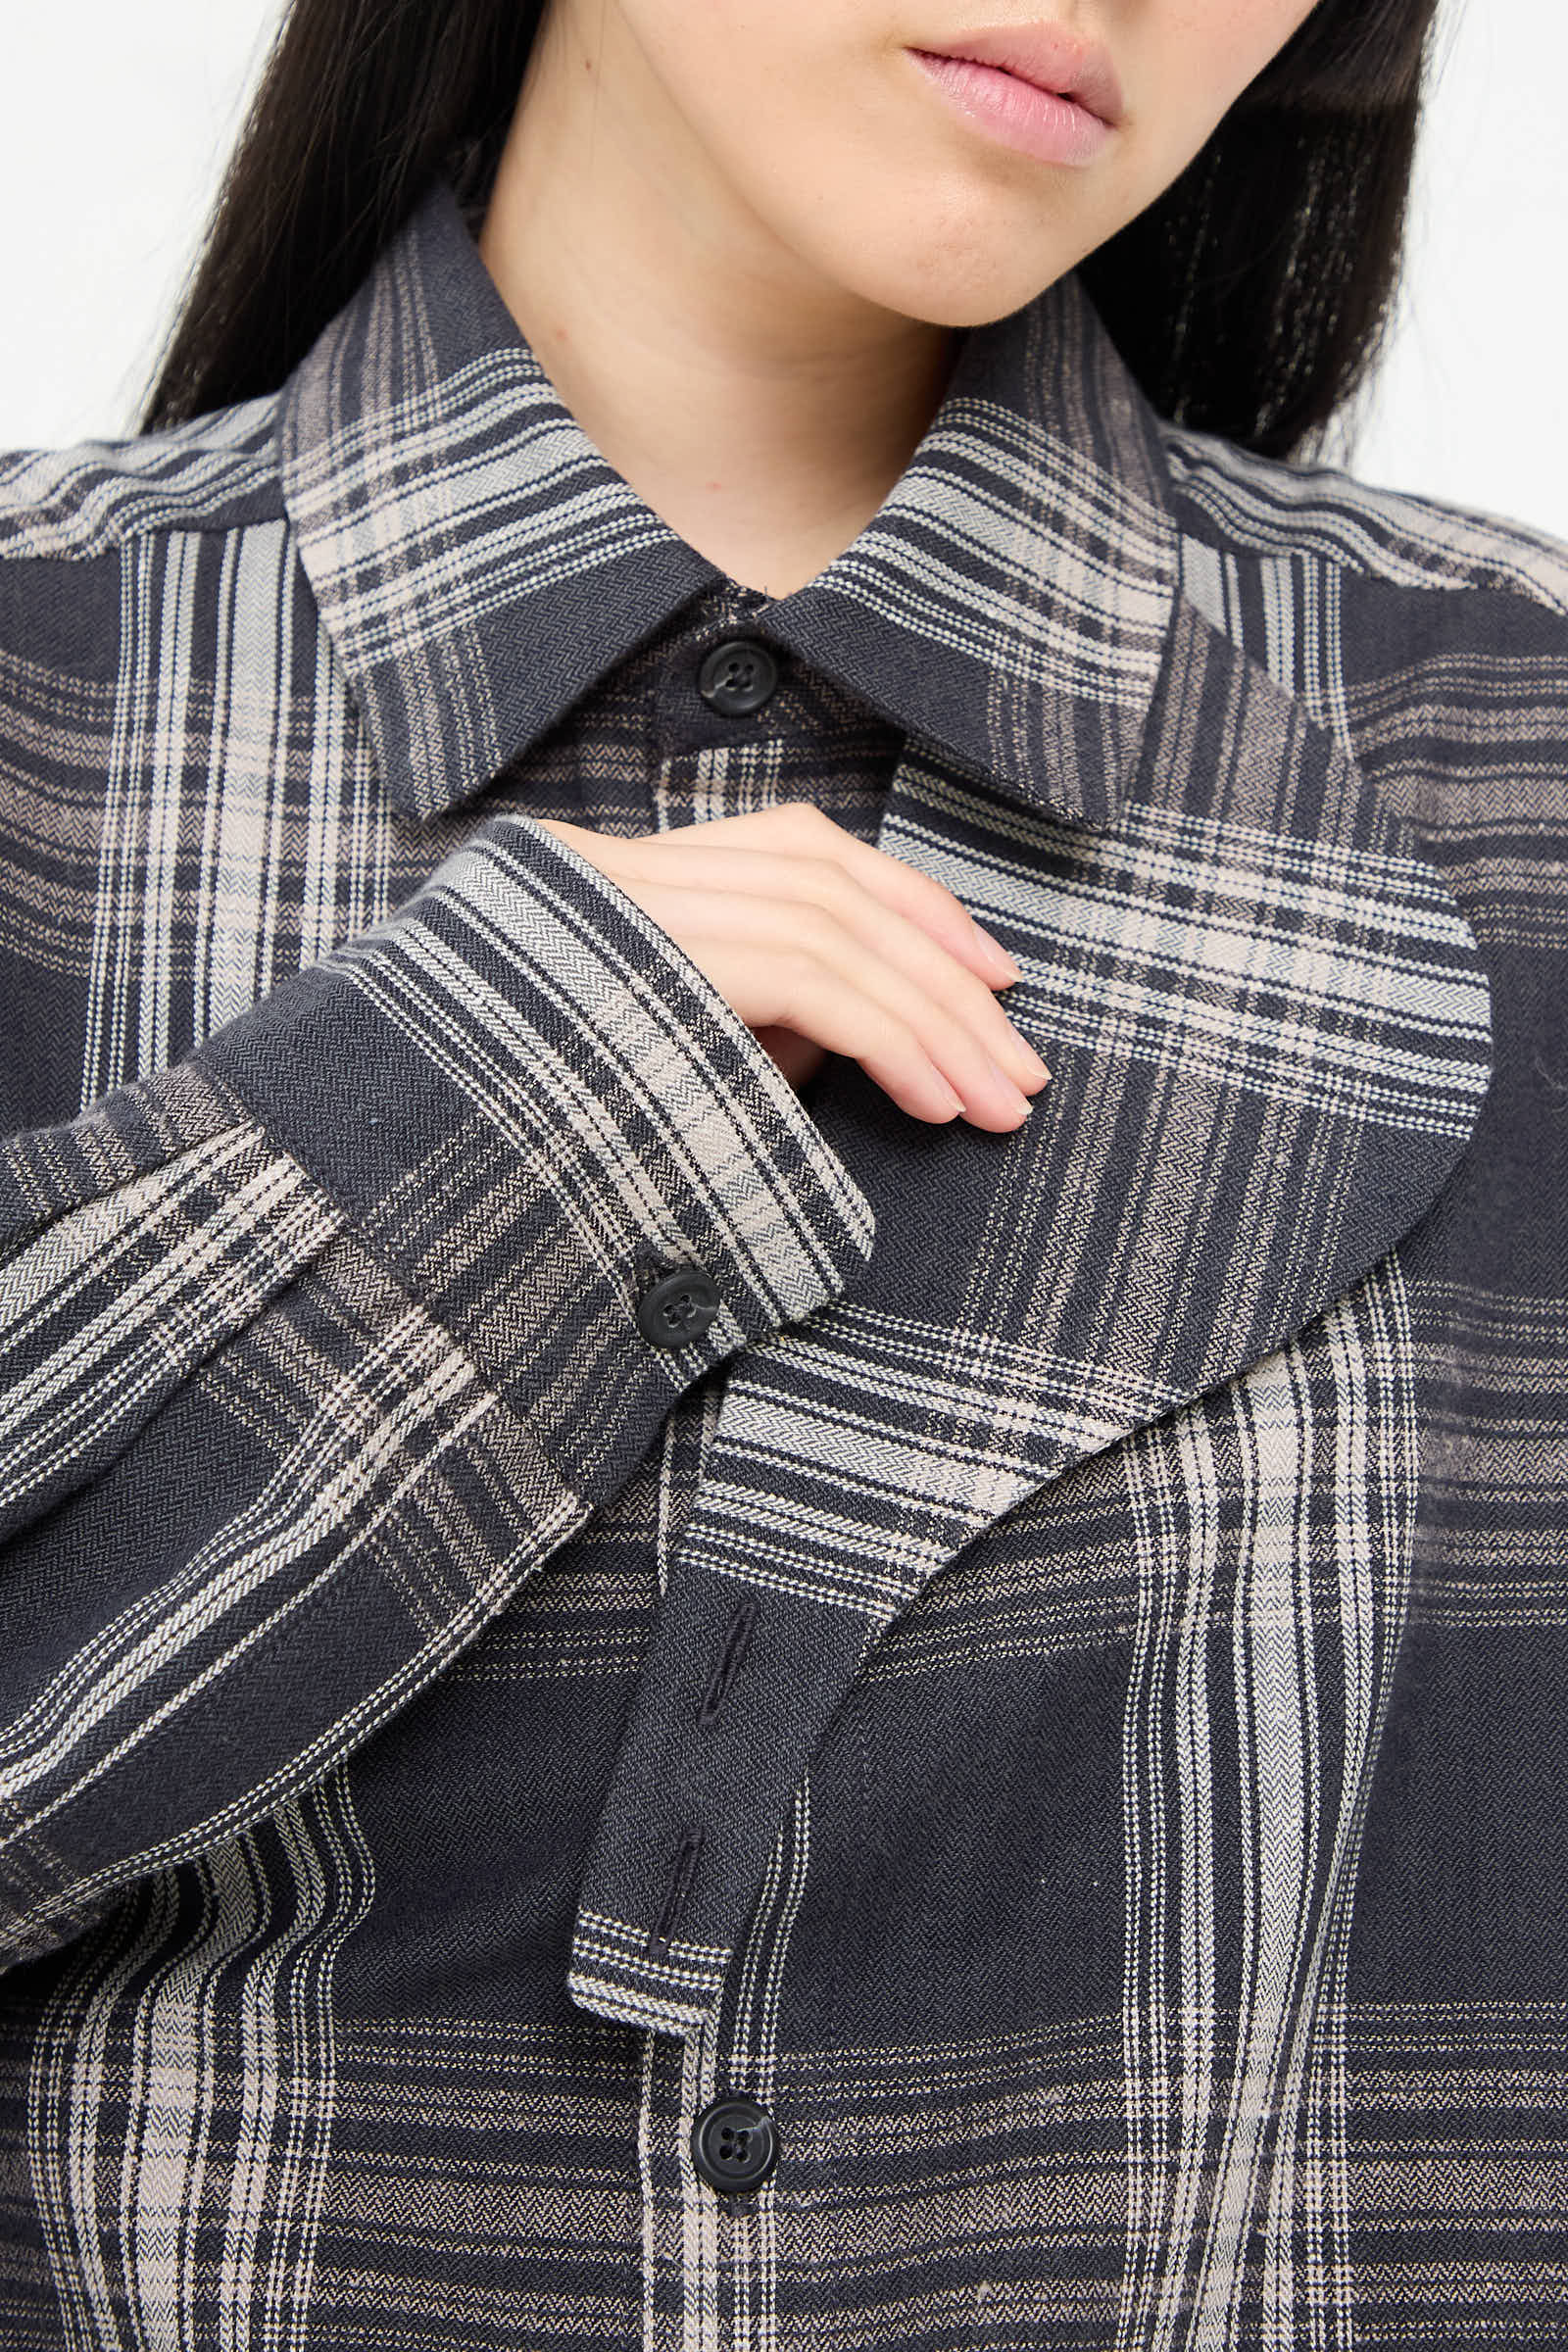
217,474
1263,507
111,540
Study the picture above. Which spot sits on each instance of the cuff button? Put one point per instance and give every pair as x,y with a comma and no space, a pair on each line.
679,1307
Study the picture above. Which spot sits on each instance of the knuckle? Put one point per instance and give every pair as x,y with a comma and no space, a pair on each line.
936,893
794,963
796,975
805,821
827,886
816,930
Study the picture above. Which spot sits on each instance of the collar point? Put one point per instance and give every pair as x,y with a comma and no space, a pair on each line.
1052,778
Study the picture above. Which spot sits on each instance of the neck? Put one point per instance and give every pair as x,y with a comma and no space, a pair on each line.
764,414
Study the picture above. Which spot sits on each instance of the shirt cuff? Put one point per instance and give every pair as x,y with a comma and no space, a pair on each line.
533,1105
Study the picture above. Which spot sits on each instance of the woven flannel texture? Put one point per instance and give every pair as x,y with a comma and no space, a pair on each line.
1061,1691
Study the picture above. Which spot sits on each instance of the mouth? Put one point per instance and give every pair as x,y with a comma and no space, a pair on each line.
1046,55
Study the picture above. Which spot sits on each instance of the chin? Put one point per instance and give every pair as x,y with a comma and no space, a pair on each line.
923,264
953,298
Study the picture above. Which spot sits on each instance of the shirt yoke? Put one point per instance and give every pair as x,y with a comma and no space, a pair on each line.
214,473
1266,507
220,471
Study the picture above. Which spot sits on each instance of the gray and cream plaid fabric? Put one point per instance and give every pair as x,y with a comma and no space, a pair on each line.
1061,1694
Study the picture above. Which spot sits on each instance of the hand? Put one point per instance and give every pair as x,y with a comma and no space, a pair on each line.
822,944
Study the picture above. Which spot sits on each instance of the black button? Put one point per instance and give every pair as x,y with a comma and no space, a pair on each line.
738,676
734,2145
679,1307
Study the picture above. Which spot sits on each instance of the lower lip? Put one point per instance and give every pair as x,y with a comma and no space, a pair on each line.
1052,130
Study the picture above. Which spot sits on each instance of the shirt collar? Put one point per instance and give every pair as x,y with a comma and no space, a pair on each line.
479,565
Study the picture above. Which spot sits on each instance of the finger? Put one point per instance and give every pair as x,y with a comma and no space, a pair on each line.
992,1095
799,831
918,896
800,888
795,964
895,1052
709,922
804,1002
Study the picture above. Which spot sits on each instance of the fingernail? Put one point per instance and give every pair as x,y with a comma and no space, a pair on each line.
998,954
1016,1091
1040,1066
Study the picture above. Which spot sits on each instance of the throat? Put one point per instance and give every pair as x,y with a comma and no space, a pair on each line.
774,567
760,550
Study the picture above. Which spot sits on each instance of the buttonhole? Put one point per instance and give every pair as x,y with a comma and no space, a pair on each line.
650,1263
737,1636
676,1901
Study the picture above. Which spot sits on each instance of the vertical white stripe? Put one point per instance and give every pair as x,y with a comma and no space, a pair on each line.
1170,1875
1277,578
116,894
186,2083
751,2061
646,2181
1203,580
700,2214
1237,2127
1375,1455
696,2266
1332,704
345,885
723,2257
218,787
248,783
170,749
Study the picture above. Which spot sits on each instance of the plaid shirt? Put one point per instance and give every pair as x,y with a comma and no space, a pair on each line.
1058,1693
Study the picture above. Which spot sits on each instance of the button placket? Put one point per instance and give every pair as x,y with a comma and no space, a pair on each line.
732,1650
727,1715
662,1932
731,1655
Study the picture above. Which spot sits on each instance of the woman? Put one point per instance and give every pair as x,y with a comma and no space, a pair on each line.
692,1658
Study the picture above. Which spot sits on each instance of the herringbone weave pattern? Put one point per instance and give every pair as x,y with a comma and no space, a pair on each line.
1062,1692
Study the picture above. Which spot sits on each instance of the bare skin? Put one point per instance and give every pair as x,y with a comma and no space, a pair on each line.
823,944
740,238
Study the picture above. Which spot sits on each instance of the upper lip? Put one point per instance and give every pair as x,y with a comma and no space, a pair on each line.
1048,55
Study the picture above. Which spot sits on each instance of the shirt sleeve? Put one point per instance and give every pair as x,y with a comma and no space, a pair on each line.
315,1347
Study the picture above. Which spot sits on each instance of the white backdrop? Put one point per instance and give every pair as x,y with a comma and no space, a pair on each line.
114,121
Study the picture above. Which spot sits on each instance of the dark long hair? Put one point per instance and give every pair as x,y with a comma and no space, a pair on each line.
1250,299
